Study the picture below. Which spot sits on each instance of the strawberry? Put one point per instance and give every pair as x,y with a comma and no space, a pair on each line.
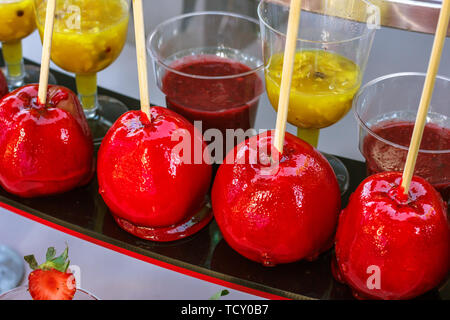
51,280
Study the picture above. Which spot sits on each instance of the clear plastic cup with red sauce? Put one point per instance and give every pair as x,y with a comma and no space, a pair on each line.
386,110
209,65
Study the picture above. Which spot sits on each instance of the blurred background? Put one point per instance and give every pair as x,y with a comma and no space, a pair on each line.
157,11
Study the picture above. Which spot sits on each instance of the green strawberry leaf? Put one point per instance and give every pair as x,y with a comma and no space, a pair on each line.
62,258
66,265
51,252
31,260
60,263
219,294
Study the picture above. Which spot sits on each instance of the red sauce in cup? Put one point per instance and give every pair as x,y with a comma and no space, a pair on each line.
220,103
434,167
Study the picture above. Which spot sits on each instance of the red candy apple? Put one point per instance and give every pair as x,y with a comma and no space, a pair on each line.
152,192
279,217
389,246
45,149
3,85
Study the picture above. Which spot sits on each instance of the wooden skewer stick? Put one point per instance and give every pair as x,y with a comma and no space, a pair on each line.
46,50
286,76
427,93
139,30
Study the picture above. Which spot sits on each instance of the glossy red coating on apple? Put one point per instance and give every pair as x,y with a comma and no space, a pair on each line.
404,242
145,183
3,85
281,217
44,149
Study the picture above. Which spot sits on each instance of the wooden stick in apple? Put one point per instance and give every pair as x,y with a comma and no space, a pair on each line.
427,93
46,49
286,76
141,56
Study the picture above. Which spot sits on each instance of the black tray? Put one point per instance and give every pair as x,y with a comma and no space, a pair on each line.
205,253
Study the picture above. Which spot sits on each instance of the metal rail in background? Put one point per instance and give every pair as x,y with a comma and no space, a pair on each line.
411,15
